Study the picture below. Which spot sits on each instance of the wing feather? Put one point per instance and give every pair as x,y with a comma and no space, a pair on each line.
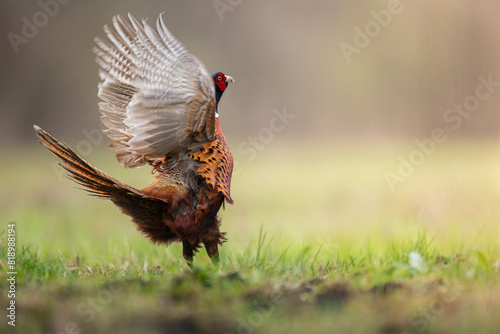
158,99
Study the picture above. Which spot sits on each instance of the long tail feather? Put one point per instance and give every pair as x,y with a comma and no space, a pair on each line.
80,171
148,213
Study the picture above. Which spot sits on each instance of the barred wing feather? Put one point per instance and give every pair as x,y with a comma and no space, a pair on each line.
158,98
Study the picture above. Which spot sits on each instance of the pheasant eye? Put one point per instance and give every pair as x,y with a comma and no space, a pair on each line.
219,78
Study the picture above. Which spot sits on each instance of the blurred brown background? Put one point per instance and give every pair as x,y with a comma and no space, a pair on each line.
281,53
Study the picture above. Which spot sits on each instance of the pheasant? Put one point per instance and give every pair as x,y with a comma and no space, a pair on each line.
160,107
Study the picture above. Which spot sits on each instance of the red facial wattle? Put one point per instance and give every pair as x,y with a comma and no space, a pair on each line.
222,84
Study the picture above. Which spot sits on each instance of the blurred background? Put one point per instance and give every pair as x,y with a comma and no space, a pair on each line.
281,53
358,82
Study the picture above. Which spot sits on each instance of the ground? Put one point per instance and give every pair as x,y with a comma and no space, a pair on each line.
318,243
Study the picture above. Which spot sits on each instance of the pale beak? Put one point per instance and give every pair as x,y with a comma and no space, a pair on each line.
229,79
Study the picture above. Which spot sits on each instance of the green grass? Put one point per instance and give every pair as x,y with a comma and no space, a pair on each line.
318,243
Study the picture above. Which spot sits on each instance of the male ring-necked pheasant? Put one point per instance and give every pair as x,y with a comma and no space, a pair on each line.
159,107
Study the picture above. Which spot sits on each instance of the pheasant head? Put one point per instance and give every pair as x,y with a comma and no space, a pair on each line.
221,81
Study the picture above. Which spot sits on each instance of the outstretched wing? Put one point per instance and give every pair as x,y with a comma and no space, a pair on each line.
158,98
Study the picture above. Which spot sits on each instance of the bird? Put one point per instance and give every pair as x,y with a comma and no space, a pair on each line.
160,107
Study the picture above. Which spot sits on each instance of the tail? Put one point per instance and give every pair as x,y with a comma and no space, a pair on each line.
148,213
94,180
